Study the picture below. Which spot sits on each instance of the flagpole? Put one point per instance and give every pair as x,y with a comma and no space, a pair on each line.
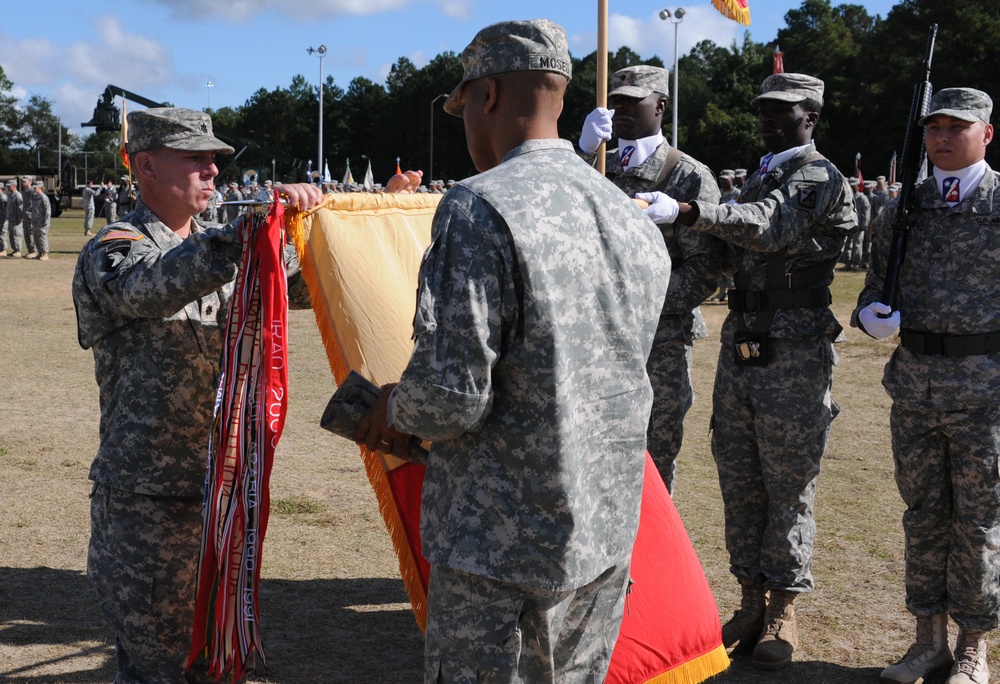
602,72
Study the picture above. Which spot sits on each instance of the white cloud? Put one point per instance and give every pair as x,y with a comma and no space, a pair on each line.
651,35
242,10
73,75
457,9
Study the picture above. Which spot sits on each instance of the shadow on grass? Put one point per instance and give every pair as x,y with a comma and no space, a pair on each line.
805,672
323,630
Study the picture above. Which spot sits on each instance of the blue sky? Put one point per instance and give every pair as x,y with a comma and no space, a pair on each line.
170,49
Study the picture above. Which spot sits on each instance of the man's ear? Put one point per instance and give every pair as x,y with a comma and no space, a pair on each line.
492,95
143,165
812,118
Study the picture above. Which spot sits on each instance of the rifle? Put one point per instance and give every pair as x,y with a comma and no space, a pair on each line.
914,156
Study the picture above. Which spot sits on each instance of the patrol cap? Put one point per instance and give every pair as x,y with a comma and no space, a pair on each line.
174,128
11,183
790,88
37,184
727,173
880,178
640,81
967,104
854,181
740,172
870,185
535,45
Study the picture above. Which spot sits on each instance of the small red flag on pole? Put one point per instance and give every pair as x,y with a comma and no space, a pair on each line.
779,62
857,170
892,169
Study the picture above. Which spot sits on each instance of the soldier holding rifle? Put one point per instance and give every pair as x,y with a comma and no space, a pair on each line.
944,380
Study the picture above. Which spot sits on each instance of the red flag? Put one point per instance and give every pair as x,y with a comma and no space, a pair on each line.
249,418
124,139
857,171
737,10
892,169
779,62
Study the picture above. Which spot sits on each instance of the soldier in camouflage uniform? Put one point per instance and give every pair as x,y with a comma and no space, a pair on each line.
645,166
728,192
772,403
41,220
87,196
537,308
233,194
151,295
14,217
854,247
944,381
28,197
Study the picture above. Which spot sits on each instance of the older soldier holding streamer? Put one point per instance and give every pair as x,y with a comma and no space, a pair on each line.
944,380
152,293
538,301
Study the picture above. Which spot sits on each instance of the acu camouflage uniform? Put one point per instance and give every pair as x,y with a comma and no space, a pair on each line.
41,220
152,306
14,217
771,423
696,264
945,417
536,312
87,195
854,248
28,197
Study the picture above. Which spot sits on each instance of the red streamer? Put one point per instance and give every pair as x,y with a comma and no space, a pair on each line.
249,417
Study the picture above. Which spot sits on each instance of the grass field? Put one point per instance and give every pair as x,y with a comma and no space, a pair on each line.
334,607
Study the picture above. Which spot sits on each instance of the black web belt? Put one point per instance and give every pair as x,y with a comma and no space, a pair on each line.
769,300
950,345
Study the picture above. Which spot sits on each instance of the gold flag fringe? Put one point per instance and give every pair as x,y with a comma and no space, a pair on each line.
373,464
695,670
733,10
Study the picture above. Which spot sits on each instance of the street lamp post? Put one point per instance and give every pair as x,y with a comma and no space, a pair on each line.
675,19
430,166
321,51
208,86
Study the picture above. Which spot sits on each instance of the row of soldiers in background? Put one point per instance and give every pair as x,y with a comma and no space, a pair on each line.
870,198
434,187
27,215
114,201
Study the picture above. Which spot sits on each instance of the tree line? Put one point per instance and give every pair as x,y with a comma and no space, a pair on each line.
869,65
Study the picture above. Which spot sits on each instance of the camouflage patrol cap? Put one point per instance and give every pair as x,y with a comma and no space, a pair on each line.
640,81
790,88
11,183
173,128
37,184
727,173
854,181
536,45
967,104
870,185
741,172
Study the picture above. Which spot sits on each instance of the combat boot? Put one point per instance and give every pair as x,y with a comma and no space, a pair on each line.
746,624
44,256
781,636
970,659
14,255
927,654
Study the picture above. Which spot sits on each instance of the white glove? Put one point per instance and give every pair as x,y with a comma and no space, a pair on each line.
875,325
662,208
596,129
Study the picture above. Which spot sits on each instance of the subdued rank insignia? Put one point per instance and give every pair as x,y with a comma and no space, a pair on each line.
115,253
807,195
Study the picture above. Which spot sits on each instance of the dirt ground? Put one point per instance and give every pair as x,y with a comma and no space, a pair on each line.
334,609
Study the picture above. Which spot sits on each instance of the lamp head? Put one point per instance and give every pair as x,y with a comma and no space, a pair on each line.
664,14
679,13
